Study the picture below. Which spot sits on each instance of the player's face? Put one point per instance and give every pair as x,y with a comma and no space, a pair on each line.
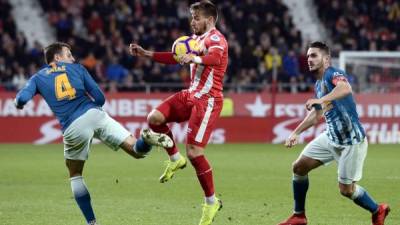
316,59
65,56
199,22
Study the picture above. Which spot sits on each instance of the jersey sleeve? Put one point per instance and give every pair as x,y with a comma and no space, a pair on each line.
164,57
26,93
335,77
92,88
215,45
215,42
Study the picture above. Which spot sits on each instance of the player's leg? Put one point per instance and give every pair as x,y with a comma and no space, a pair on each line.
300,183
350,165
315,154
205,176
158,123
115,136
201,124
79,189
77,139
176,108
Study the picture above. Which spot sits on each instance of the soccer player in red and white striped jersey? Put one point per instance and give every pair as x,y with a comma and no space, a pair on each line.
200,104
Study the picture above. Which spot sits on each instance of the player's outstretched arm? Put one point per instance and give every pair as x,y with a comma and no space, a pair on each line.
160,57
139,51
26,93
310,120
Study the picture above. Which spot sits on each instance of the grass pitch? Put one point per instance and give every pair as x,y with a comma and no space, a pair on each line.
253,180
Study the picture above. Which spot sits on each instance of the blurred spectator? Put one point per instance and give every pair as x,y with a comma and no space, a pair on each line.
115,71
19,79
364,25
272,59
291,64
259,33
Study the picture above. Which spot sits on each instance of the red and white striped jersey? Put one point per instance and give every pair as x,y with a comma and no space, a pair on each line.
207,80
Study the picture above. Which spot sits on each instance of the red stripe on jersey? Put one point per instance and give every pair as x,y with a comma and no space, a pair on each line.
337,79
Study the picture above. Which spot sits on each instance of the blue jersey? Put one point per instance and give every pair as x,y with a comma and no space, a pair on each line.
343,124
65,88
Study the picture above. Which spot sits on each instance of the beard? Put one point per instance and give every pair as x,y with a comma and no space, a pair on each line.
201,30
316,68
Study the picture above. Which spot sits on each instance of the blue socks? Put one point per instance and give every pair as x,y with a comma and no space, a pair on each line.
300,187
141,146
82,198
362,198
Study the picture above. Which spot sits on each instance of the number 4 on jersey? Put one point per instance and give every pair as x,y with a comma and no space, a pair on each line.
63,88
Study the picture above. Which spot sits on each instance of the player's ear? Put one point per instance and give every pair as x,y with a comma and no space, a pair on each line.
57,57
327,59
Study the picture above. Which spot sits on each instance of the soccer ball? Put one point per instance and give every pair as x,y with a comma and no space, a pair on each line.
185,45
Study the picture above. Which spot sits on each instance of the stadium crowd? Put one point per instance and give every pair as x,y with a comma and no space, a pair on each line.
263,43
361,25
99,32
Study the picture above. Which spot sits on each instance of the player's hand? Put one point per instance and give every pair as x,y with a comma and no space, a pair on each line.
311,102
292,140
186,59
136,50
16,104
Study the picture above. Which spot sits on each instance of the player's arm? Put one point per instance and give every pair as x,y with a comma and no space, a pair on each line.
160,57
342,89
310,120
92,88
26,93
213,57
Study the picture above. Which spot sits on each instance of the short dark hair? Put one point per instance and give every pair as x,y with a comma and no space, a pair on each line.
207,8
53,49
322,46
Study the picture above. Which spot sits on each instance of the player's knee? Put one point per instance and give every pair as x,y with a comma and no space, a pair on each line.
193,151
299,169
346,191
75,167
155,118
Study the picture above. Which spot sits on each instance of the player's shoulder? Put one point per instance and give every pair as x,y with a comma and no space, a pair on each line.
216,38
333,71
72,65
75,68
215,35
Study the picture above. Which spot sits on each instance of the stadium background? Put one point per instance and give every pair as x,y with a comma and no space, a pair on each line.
267,46
266,85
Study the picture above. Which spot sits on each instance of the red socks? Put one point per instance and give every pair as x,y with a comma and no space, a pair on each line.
204,174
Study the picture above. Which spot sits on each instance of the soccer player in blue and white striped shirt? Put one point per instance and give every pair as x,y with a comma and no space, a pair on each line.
343,141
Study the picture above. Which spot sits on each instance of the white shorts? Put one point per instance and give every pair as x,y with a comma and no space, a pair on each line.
350,158
94,123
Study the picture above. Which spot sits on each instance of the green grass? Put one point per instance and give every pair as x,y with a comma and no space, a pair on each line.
253,180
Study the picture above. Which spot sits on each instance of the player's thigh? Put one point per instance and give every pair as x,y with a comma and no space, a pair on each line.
176,108
351,162
78,136
319,149
202,121
112,133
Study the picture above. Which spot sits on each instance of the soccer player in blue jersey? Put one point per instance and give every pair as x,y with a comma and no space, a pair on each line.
343,141
76,100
